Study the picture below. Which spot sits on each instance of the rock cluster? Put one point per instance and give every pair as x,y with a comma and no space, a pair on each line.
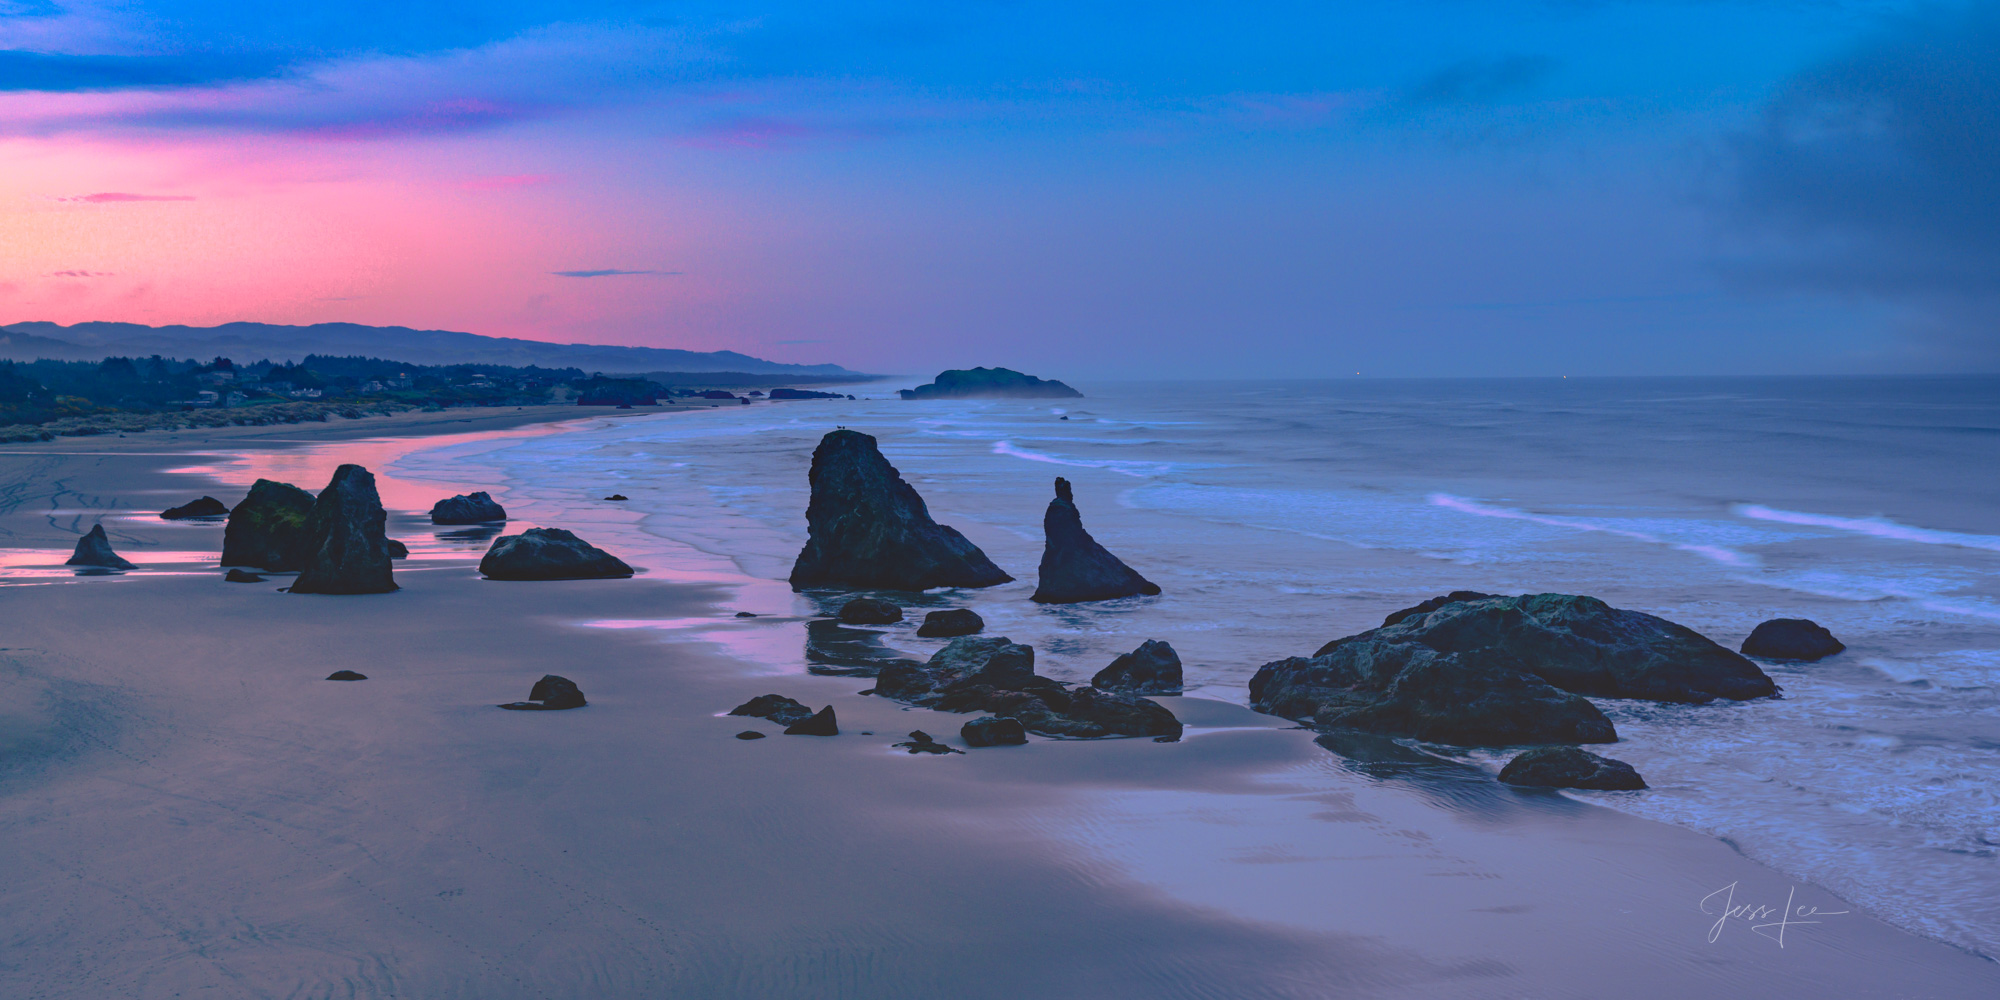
346,551
1074,567
267,529
204,507
996,675
1153,668
1791,639
94,549
469,508
775,707
867,528
1570,767
549,554
1503,670
550,694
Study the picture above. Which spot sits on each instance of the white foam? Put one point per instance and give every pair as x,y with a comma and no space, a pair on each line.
1878,527
1727,557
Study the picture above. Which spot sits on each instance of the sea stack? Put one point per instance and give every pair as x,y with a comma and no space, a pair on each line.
94,549
867,528
346,551
267,530
1074,567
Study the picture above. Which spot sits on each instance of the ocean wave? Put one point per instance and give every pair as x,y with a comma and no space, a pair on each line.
1717,553
1125,468
1877,527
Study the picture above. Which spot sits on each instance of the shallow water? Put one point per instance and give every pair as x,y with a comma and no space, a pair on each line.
1278,516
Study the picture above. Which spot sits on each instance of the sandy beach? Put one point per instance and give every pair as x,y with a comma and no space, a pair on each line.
190,809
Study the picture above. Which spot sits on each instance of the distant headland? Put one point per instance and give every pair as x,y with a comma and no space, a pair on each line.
990,383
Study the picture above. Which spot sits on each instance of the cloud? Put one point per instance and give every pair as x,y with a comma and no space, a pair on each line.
606,272
1479,80
1878,173
79,274
115,196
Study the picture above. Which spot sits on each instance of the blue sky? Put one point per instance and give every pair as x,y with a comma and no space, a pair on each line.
1261,189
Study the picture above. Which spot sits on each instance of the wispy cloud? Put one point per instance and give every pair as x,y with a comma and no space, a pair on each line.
604,273
103,197
80,274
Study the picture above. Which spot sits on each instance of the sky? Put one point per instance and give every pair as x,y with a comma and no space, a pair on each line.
1080,190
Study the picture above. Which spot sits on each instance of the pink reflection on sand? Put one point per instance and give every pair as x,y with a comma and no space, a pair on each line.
19,566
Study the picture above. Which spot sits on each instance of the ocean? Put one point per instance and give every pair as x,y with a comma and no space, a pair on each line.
1278,515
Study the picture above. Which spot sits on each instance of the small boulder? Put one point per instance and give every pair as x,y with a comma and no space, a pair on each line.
94,549
952,622
267,529
775,707
1074,567
550,694
469,508
745,614
1570,767
204,507
1791,639
921,742
549,554
241,576
749,734
1153,668
397,550
617,496
345,549
346,675
992,731
870,611
1122,714
821,724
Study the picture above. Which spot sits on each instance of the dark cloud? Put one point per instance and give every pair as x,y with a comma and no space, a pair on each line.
604,273
1878,173
1476,81
45,71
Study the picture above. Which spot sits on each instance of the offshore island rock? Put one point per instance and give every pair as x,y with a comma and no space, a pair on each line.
1153,668
469,508
1791,639
267,530
868,528
346,551
1570,767
204,507
94,549
549,554
1074,567
988,383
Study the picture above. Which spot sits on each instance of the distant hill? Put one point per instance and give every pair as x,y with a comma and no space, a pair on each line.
247,342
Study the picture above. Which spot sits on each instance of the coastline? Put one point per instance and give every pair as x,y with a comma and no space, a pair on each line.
401,837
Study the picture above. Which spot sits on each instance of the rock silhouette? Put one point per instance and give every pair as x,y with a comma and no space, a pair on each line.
204,507
974,383
345,549
1074,567
1791,639
549,554
867,528
346,675
775,707
951,622
94,549
1153,668
1433,604
996,675
870,611
749,734
239,576
993,731
469,508
921,742
821,724
1570,767
550,694
267,530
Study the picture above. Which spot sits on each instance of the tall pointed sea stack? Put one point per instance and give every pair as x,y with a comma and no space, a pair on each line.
1074,567
868,528
346,551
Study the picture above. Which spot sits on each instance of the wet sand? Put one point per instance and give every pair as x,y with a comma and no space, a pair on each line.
191,810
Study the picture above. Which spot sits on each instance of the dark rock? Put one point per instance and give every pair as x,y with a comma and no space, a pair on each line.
745,614
345,549
837,649
1433,604
1153,668
1122,714
869,611
550,694
346,675
1074,567
952,622
821,724
239,576
1570,767
267,529
777,708
993,731
397,550
204,507
978,383
1791,639
549,554
995,661
617,496
469,508
749,734
921,742
868,528
94,549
